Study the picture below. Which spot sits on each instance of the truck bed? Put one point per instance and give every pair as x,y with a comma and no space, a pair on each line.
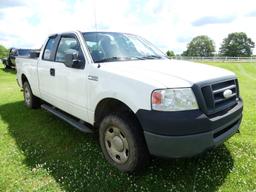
30,69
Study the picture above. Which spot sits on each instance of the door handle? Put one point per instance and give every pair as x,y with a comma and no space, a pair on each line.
52,72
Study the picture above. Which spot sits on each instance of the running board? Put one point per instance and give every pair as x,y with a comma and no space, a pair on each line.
68,118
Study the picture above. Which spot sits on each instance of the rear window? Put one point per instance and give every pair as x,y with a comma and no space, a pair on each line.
24,52
49,49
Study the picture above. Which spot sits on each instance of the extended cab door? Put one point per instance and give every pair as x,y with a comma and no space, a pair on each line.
46,71
71,81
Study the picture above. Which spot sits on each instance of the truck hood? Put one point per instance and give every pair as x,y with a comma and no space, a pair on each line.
166,73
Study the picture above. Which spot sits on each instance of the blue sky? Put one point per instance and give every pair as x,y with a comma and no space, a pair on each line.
169,24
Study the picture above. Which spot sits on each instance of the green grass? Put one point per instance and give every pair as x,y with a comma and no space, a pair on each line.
39,152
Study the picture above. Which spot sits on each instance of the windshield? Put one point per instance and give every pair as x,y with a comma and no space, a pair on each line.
109,47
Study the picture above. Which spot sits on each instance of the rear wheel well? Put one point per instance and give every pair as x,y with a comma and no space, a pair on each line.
23,79
108,106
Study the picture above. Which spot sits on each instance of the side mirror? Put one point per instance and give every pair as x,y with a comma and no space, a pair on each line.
71,60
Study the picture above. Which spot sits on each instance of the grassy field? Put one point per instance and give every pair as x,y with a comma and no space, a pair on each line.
39,152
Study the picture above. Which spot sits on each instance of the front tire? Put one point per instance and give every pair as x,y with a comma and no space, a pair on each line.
122,143
6,65
30,100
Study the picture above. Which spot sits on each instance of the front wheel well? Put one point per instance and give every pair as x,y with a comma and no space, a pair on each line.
108,106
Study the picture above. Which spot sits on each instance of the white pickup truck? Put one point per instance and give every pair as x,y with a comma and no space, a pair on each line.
139,101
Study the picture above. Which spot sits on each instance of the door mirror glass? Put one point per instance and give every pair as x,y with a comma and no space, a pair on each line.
72,60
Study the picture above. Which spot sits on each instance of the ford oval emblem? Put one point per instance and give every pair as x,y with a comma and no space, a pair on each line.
227,93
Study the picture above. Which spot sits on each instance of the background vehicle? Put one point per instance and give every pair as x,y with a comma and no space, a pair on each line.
9,62
139,102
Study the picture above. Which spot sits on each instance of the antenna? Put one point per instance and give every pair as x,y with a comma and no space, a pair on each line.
95,15
95,25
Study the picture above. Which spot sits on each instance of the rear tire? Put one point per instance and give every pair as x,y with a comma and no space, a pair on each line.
123,143
30,100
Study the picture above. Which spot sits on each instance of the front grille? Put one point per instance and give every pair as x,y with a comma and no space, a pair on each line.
214,99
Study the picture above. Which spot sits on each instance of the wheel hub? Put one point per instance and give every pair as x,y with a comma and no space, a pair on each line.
116,145
27,95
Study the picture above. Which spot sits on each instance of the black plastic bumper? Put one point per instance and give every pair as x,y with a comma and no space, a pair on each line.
187,133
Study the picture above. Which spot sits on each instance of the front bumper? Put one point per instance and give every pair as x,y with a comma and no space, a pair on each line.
187,133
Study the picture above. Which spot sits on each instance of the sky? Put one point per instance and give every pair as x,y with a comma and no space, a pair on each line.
169,24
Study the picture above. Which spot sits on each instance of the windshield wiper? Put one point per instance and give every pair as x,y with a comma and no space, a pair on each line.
151,57
110,59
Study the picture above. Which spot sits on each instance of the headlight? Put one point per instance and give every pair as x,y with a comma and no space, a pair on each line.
179,99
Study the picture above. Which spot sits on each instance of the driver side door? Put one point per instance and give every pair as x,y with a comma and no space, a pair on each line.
71,82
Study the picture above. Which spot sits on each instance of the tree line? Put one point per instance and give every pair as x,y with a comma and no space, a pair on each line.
236,44
3,51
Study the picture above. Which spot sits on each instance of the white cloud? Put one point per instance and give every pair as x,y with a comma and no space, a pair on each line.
166,23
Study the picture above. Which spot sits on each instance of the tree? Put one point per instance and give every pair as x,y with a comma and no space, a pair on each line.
170,53
237,45
3,51
200,46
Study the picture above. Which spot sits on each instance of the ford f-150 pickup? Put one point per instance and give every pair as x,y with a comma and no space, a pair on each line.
138,101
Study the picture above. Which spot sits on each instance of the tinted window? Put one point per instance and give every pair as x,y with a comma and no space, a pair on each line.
49,48
24,52
68,45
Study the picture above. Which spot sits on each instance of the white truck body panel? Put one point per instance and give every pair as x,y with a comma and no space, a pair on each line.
30,69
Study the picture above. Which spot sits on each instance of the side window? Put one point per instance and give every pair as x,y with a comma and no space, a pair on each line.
49,48
69,45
